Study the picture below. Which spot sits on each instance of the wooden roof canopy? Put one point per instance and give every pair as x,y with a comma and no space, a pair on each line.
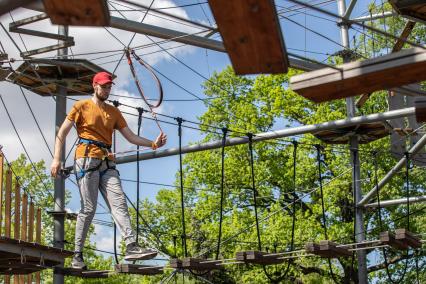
78,12
74,74
413,9
385,72
252,35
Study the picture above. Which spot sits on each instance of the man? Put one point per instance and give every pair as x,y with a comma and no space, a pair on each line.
95,121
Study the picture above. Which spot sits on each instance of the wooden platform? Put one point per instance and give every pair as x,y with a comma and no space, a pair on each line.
195,264
252,36
366,132
327,249
20,257
415,9
75,74
355,78
258,257
78,12
67,271
138,269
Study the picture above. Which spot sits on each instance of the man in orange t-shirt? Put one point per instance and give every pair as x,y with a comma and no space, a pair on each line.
96,121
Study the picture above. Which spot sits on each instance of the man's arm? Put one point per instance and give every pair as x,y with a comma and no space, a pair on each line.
59,145
141,141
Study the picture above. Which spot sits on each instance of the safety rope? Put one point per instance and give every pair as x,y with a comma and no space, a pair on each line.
224,131
140,112
407,163
324,220
182,203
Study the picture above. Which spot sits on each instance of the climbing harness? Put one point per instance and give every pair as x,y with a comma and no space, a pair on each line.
80,173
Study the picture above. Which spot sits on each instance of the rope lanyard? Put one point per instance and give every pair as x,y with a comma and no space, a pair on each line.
224,131
140,112
139,86
182,203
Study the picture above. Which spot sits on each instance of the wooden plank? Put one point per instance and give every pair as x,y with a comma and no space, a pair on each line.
200,264
82,273
1,190
408,238
176,263
251,34
258,257
31,223
388,238
17,211
38,239
24,222
138,269
78,12
8,204
385,72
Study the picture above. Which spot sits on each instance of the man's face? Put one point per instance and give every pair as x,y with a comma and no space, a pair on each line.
102,91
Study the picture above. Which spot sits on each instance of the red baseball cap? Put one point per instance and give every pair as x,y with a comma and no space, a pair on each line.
102,78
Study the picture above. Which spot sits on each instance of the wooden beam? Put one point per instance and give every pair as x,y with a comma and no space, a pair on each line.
31,223
408,238
251,34
24,222
413,9
138,269
350,79
78,12
38,239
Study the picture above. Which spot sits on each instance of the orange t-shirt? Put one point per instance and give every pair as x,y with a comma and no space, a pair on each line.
96,123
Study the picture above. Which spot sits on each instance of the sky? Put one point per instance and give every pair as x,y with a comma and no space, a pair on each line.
321,41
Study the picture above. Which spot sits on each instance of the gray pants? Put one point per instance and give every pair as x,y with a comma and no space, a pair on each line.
109,185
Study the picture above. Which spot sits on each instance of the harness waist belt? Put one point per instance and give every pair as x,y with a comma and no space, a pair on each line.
94,142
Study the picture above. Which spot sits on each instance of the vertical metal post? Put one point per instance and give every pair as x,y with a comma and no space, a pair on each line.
356,173
59,194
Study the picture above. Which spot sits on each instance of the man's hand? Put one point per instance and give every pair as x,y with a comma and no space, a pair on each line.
55,168
161,140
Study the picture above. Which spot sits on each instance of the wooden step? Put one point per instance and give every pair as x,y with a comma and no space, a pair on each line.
68,271
12,267
258,257
195,264
362,77
138,269
408,238
327,249
251,35
388,238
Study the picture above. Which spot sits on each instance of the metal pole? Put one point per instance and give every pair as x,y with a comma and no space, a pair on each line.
399,201
271,135
354,146
374,16
417,147
59,189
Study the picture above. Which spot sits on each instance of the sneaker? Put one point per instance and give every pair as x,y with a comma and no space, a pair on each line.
136,252
78,261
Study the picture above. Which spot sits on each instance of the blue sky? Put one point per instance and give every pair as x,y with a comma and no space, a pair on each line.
297,39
